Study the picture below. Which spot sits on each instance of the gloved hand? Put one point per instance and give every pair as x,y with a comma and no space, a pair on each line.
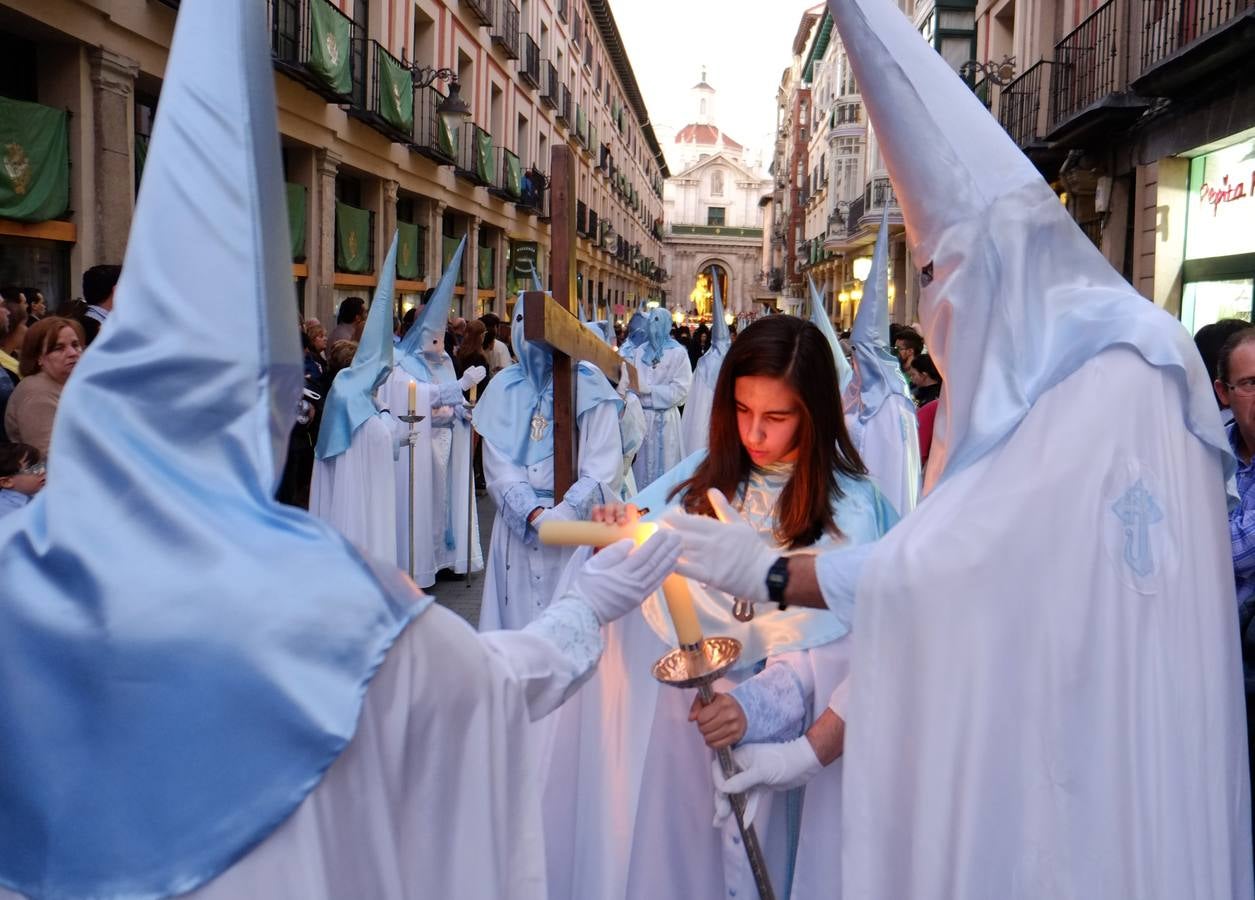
409,439
643,381
621,386
471,377
464,412
616,580
777,767
442,417
728,555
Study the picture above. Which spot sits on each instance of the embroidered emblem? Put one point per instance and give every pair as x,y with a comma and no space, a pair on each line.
1137,511
352,242
333,49
17,166
926,275
539,424
396,95
405,255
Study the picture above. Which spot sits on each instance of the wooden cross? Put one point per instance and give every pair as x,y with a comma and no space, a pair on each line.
553,322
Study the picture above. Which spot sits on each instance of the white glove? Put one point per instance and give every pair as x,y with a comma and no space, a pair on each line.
616,580
644,377
777,767
471,377
729,554
409,439
622,385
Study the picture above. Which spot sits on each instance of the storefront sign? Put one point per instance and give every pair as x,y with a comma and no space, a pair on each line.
1221,218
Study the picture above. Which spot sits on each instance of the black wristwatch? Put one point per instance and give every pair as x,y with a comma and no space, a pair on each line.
777,581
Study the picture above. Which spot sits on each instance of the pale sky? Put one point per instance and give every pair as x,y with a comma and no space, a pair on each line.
744,44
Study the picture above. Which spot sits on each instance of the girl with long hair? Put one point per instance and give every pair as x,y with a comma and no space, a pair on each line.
778,450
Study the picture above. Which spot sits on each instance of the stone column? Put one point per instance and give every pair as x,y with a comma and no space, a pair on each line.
435,242
113,113
470,262
320,245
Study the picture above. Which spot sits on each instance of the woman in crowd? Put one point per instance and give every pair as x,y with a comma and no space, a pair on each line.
625,753
315,343
50,351
471,353
926,381
22,476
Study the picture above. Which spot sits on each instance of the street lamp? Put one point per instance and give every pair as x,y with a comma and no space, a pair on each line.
862,267
453,110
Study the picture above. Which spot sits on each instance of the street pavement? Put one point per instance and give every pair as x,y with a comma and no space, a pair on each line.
460,595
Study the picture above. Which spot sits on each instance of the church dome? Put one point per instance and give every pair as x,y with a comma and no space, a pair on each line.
706,136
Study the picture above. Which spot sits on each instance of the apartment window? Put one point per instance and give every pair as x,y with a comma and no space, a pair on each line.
522,145
714,215
496,115
424,47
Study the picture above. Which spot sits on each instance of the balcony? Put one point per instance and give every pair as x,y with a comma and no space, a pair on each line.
564,108
594,230
476,159
480,9
1089,97
581,218
329,67
529,68
1185,43
431,138
386,101
1022,108
846,119
551,87
508,184
505,27
534,198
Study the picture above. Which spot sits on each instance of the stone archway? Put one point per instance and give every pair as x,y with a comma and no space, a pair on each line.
702,285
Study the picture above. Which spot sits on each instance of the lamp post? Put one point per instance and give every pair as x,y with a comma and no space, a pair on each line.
453,110
999,73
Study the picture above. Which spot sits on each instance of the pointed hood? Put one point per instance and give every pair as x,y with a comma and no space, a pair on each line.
536,283
519,398
720,336
819,317
658,335
421,351
351,400
1013,298
877,371
183,657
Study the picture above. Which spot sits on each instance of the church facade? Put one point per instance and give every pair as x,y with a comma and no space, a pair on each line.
713,214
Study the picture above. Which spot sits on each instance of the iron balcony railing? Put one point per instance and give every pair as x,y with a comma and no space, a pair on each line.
509,175
857,207
529,67
1022,105
592,224
577,29
1173,25
292,49
505,27
534,193
551,86
564,107
480,9
375,112
473,163
430,137
581,218
1088,66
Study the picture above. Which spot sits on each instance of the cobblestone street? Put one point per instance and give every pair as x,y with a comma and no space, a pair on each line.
460,595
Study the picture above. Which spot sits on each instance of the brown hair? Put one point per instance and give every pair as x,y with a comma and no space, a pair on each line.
40,338
341,357
796,352
472,343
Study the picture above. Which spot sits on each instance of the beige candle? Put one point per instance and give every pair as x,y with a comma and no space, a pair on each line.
413,388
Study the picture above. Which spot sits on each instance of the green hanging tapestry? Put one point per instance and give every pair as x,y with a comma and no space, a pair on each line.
329,46
581,124
141,157
352,239
487,268
446,140
409,252
396,93
34,161
447,249
513,176
296,219
483,156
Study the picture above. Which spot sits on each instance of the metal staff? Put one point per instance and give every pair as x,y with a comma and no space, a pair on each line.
699,666
412,420
470,491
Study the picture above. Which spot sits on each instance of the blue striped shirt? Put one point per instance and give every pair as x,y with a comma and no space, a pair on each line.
1242,529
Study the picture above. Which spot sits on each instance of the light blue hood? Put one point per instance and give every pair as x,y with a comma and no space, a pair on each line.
181,657
819,316
421,351
877,372
351,400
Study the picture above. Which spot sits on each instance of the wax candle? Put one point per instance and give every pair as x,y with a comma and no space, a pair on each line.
589,534
413,386
688,630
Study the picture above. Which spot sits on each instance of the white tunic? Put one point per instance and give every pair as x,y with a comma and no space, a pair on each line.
444,499
888,442
423,803
1046,699
663,445
522,575
355,492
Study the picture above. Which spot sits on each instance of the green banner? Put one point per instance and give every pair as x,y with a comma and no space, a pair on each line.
483,156
35,163
409,252
446,140
513,176
487,268
352,239
396,93
329,46
448,247
581,124
296,219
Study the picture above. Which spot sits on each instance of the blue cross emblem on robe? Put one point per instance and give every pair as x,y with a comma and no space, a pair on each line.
1138,511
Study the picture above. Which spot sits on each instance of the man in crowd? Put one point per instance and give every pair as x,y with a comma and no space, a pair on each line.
349,321
14,302
99,283
908,345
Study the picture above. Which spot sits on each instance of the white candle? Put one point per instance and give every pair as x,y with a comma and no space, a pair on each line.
413,388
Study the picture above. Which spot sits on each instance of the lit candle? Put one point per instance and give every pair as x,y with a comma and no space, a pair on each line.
474,392
688,631
413,386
